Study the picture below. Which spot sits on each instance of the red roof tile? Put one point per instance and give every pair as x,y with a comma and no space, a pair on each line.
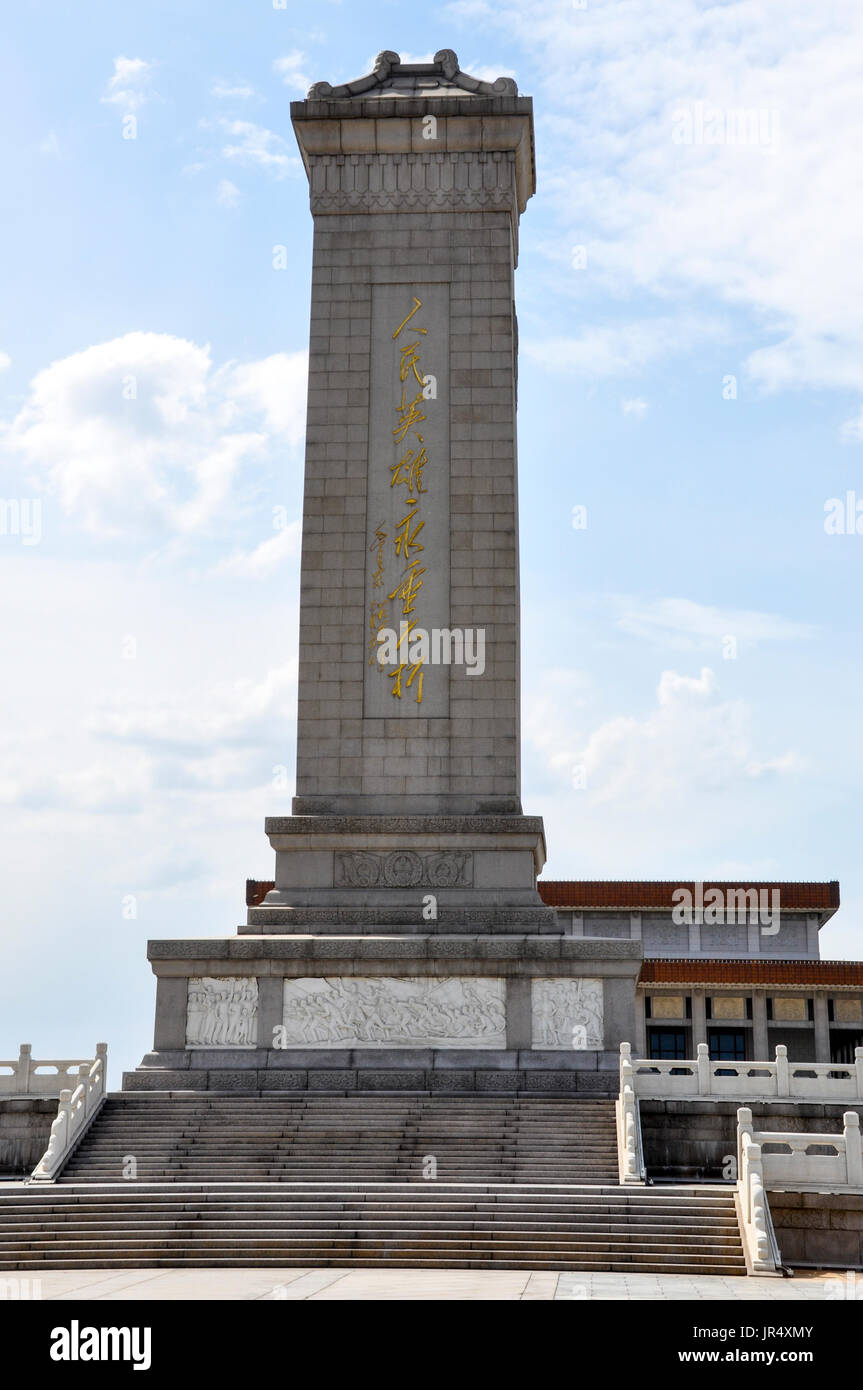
699,971
257,889
634,895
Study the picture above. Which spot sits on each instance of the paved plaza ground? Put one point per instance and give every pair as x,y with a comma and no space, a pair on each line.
345,1285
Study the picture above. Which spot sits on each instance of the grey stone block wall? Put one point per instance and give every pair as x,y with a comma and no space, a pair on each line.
25,1127
824,1230
687,1140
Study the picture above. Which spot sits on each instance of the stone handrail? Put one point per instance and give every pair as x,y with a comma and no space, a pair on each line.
797,1167
630,1160
690,1079
841,1168
25,1077
76,1111
752,1198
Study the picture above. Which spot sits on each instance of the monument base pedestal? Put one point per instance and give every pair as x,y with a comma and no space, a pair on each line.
415,873
532,1013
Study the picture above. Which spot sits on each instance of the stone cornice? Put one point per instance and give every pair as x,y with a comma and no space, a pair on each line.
258,950
419,109
403,825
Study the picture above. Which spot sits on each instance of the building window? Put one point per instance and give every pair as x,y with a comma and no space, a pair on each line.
727,1045
842,1045
667,1044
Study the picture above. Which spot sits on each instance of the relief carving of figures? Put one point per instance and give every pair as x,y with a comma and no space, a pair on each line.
566,1014
388,1012
222,1012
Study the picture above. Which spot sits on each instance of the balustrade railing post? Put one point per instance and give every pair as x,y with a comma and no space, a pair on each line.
64,1114
703,1065
858,1067
853,1151
22,1073
626,1069
86,1086
783,1080
744,1127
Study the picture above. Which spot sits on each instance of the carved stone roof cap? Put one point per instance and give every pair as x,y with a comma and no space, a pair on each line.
390,77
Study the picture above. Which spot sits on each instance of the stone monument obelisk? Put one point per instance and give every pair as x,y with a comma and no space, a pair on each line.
404,944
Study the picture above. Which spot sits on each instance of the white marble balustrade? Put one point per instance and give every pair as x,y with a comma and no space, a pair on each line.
687,1079
26,1075
799,1162
76,1111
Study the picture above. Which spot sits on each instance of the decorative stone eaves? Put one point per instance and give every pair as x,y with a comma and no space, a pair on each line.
402,109
391,77
469,182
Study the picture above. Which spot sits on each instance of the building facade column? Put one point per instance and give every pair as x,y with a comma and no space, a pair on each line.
822,1029
760,1043
699,1018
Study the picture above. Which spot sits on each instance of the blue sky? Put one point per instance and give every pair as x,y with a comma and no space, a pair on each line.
149,681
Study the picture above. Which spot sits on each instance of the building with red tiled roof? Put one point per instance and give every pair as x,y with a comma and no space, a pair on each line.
740,981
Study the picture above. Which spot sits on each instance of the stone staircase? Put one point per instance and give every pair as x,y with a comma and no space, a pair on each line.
314,1180
320,1138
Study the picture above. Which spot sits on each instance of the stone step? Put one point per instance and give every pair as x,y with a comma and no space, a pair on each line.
317,1181
346,1246
388,1261
300,1211
473,1143
539,1197
292,1219
430,1222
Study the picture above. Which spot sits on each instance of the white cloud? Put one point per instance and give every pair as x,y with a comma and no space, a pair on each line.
259,147
618,349
142,437
5,361
275,386
637,406
852,430
128,87
201,720
486,72
291,70
763,226
226,92
267,557
115,785
196,739
228,194
691,743
681,623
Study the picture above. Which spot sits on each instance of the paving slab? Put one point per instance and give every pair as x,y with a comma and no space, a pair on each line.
348,1285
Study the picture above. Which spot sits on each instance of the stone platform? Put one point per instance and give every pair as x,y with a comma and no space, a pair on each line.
420,1012
428,1072
417,873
